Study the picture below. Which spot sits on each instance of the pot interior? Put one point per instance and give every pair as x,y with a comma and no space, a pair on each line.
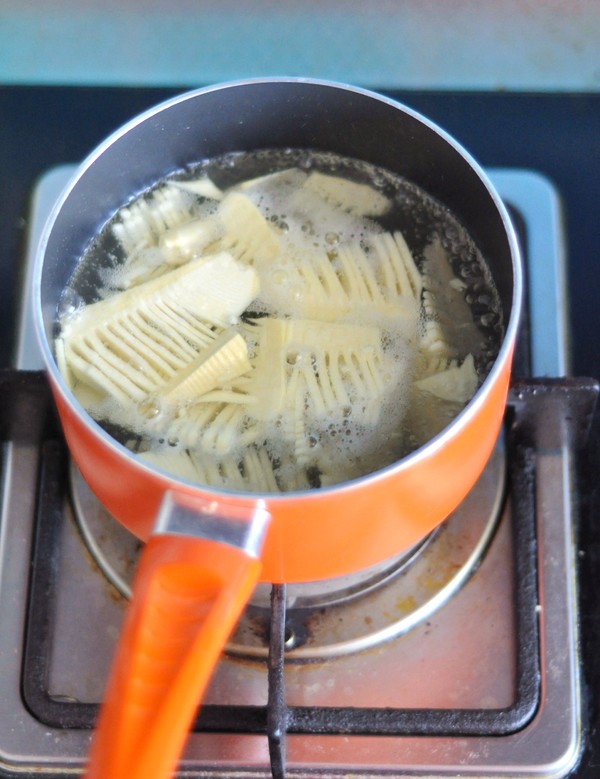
271,114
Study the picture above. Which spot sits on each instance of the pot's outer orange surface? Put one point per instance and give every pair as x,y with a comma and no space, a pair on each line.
316,534
319,534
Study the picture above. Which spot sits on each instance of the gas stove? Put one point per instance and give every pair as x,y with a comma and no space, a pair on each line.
458,659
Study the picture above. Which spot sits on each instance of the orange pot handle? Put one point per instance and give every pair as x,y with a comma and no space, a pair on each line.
194,579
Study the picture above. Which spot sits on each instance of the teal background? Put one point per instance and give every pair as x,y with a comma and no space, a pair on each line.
490,44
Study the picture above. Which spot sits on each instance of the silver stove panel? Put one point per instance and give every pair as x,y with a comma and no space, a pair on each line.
462,656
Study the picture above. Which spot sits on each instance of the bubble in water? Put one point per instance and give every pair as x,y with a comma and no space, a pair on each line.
489,319
279,277
70,305
306,162
149,408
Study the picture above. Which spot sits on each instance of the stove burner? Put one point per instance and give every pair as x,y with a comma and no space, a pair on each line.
337,616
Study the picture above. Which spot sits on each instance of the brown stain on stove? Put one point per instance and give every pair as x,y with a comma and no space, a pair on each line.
435,578
406,605
111,591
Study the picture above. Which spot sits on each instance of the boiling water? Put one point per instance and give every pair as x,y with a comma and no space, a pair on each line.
385,404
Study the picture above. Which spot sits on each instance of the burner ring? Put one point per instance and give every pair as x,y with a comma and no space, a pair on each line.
337,616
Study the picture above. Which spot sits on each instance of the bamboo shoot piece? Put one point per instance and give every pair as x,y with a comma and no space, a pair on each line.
135,342
349,196
456,384
224,360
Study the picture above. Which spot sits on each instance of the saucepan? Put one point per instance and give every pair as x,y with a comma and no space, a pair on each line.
207,547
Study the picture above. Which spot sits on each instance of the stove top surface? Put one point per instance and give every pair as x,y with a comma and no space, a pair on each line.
520,131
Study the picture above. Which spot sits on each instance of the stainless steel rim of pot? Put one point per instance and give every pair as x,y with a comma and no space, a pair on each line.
274,113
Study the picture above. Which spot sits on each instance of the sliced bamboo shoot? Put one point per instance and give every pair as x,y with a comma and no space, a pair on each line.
290,178
395,266
334,364
146,264
135,342
381,279
246,233
215,289
224,360
350,196
203,187
189,240
210,426
175,461
143,222
252,472
456,384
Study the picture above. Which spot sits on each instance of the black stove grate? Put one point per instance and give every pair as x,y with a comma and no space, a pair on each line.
539,411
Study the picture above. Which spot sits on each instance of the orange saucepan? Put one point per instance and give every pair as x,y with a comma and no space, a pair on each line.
207,547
